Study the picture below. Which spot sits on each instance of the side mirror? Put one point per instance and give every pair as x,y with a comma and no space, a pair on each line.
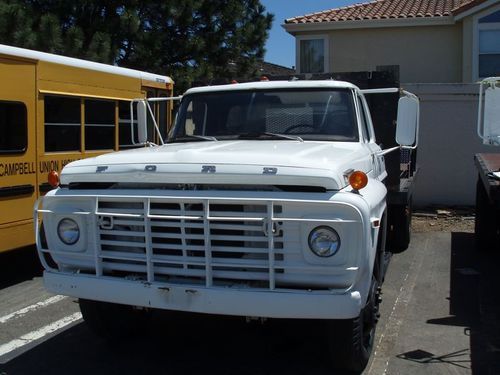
142,122
491,128
407,121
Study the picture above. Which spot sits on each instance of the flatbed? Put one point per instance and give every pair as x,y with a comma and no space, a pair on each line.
487,163
487,226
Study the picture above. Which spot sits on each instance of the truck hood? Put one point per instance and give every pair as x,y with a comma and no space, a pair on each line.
242,162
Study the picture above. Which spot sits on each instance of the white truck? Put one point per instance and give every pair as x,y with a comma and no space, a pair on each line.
267,201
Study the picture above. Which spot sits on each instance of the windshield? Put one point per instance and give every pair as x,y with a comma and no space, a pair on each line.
302,114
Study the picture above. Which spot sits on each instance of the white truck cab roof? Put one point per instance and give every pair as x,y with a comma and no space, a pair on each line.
272,85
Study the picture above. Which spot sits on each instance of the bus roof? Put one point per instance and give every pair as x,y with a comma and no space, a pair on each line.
79,63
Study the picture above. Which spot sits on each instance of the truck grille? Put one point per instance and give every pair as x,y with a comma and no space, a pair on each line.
193,242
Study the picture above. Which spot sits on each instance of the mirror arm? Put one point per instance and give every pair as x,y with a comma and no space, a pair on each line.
165,99
409,147
409,94
160,99
388,151
403,93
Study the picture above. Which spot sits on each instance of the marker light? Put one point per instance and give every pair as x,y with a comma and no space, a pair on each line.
53,179
358,180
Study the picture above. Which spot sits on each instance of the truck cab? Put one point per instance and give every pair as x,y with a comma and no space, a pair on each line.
268,200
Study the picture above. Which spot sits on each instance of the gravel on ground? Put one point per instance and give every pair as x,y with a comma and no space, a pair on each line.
443,220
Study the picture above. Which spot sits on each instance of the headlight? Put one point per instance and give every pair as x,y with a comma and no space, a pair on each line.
68,231
324,241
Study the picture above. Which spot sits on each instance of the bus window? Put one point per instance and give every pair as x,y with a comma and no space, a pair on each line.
124,132
99,124
62,123
13,127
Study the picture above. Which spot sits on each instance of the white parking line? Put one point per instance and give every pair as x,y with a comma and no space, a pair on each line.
389,337
38,334
36,306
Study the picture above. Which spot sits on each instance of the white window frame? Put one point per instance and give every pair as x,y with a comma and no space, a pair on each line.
326,46
475,37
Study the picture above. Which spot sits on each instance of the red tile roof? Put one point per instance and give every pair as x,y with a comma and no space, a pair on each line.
389,9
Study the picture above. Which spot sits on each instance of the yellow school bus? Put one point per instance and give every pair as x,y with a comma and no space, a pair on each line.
54,110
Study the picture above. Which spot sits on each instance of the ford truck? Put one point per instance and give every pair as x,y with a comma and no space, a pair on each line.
267,200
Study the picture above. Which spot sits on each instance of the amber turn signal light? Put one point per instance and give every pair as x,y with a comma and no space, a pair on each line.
358,180
53,179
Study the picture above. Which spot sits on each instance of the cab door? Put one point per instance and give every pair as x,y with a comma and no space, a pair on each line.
17,152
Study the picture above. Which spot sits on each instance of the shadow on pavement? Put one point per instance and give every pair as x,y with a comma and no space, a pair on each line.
19,265
188,344
474,305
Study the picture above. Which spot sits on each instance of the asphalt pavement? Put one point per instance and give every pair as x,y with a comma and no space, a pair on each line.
440,315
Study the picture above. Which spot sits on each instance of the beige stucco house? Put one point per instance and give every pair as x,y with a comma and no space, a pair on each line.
438,41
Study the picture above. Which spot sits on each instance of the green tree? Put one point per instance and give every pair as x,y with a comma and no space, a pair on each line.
188,40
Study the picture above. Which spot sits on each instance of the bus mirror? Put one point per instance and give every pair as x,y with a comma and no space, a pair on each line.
407,121
142,122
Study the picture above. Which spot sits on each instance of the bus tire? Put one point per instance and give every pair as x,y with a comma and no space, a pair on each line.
486,226
111,320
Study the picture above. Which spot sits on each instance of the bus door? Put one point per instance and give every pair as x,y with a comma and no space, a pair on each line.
17,152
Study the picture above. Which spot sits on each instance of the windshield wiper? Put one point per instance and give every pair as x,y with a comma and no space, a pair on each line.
189,137
276,135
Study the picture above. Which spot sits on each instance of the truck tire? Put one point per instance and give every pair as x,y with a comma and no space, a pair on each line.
486,226
111,320
351,341
399,228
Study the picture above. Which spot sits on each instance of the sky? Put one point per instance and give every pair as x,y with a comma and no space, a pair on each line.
281,46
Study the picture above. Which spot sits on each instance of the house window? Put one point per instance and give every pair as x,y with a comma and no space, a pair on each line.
489,45
312,54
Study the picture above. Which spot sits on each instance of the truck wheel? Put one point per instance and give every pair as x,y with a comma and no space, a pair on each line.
399,229
111,320
486,225
351,341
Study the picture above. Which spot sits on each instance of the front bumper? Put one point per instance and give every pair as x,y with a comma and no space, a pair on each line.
223,301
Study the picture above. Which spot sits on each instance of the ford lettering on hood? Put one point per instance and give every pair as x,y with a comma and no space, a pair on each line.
268,162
